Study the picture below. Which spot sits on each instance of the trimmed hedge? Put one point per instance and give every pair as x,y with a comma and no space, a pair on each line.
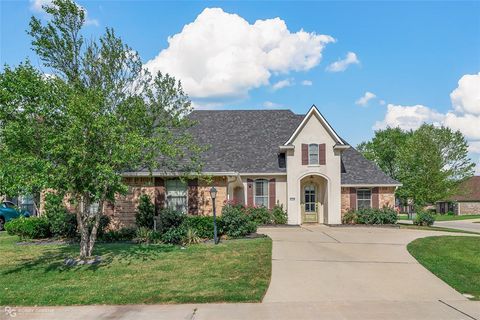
424,218
29,228
203,226
385,215
236,223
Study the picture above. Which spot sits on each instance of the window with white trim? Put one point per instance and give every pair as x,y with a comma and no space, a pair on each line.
261,193
364,198
313,153
176,195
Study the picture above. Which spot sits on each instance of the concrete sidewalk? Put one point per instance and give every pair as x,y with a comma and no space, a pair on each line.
466,225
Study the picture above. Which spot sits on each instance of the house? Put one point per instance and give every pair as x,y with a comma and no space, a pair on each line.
465,201
264,158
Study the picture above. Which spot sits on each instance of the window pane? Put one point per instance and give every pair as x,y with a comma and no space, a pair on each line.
176,195
313,154
261,192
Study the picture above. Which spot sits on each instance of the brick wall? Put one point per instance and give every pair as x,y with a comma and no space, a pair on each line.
465,208
386,198
345,200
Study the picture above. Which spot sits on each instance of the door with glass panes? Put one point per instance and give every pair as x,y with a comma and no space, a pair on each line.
310,203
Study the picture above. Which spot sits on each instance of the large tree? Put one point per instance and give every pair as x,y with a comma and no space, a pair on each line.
430,162
96,115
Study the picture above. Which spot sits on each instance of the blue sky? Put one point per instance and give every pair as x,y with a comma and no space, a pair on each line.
410,55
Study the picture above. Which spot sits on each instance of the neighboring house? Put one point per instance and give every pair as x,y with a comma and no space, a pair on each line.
264,158
465,201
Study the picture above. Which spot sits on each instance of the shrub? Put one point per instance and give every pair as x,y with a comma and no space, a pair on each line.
170,219
102,227
62,223
203,225
424,219
29,228
145,235
260,215
123,234
191,237
236,223
145,212
175,235
350,217
279,215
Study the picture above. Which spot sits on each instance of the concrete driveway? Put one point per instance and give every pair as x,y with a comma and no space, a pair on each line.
318,272
467,225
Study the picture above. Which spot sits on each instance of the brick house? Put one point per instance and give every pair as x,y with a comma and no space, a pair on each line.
465,201
264,158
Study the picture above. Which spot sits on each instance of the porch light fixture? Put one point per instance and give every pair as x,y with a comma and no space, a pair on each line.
213,194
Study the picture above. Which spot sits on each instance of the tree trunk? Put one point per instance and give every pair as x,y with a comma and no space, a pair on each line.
87,237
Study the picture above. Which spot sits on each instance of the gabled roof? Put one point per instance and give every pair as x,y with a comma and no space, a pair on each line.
314,111
469,190
357,170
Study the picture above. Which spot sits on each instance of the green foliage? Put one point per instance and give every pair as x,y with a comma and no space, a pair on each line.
236,223
147,236
350,217
123,234
203,225
62,223
145,212
175,235
279,215
260,215
191,237
29,228
102,227
430,162
385,215
170,218
424,218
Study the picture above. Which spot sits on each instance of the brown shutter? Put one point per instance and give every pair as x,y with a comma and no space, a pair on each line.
353,199
159,184
304,154
322,159
375,200
249,193
271,194
193,196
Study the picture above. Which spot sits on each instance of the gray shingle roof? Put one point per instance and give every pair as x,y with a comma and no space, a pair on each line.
243,140
358,170
247,141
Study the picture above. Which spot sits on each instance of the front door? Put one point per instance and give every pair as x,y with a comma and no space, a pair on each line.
309,206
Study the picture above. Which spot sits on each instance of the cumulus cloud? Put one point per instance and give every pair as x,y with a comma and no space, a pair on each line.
37,6
307,83
363,101
222,55
282,84
466,97
408,117
342,64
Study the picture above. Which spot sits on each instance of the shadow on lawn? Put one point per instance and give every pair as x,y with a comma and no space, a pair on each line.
53,259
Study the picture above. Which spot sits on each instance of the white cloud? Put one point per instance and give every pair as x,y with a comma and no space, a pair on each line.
223,55
37,6
466,97
342,64
307,83
363,101
468,124
408,117
282,84
271,105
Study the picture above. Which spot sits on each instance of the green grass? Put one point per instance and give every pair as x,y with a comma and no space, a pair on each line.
233,271
445,217
455,260
412,226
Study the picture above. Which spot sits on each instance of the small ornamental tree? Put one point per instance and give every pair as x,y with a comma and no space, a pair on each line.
145,212
98,114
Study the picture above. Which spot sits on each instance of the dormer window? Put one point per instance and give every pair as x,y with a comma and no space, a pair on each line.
313,153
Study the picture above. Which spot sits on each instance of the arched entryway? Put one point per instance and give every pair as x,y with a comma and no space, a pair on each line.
313,199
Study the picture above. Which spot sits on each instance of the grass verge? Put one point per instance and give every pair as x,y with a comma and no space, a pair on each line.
415,227
232,271
455,260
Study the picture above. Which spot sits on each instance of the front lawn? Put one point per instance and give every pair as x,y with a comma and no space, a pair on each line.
455,260
233,271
